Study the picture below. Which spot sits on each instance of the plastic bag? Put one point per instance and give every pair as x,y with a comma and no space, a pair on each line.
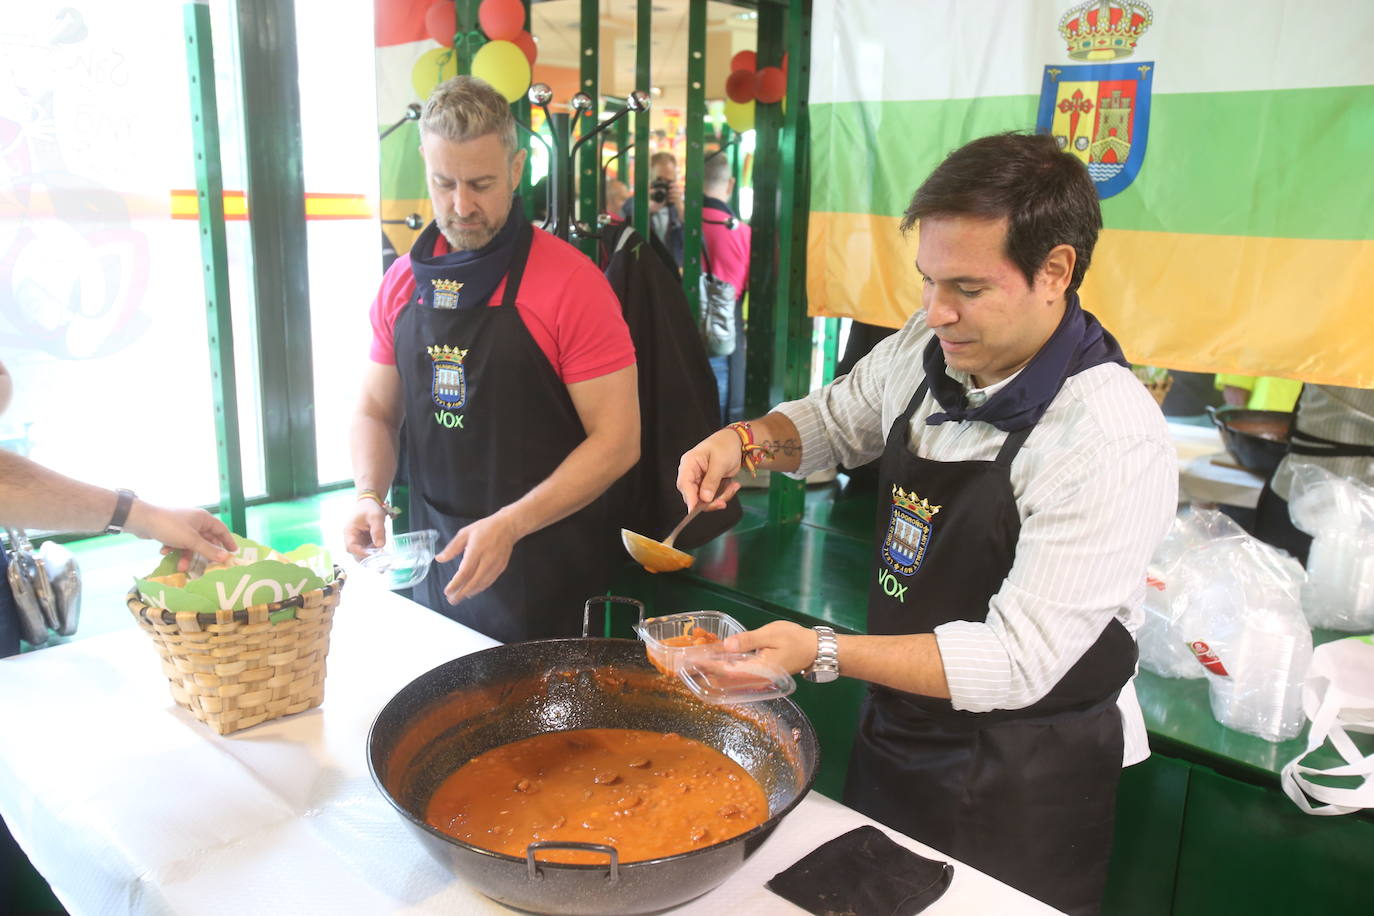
1339,699
1235,604
1173,574
1338,513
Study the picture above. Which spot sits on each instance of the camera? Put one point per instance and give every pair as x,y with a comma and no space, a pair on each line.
658,190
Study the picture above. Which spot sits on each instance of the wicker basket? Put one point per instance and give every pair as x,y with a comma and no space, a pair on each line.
236,669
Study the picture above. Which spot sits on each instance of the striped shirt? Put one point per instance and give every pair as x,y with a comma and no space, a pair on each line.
1341,415
1096,488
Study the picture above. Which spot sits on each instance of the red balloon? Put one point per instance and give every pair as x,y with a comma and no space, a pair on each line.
744,60
525,42
502,20
772,85
440,23
740,86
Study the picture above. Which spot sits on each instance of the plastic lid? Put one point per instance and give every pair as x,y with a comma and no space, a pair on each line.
717,676
405,560
667,638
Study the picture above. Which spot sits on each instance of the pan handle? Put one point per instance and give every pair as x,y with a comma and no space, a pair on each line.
536,874
600,599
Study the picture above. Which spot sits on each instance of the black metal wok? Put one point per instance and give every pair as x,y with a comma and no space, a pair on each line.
1257,439
451,714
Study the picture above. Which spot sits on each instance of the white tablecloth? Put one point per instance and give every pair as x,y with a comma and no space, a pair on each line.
126,804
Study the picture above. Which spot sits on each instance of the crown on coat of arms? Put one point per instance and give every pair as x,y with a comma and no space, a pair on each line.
920,507
1104,29
447,353
447,286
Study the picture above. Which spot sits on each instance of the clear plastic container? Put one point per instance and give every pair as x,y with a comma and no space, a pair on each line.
689,645
405,560
667,638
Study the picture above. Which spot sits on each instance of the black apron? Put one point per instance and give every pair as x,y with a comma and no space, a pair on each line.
487,420
1026,795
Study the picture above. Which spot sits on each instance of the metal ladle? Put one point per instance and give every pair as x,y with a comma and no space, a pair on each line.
656,556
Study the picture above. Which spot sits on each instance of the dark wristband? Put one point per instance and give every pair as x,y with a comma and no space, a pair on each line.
121,512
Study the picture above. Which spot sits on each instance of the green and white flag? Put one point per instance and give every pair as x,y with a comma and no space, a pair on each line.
1230,140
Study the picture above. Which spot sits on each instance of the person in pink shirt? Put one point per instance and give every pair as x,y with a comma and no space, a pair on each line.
725,241
505,352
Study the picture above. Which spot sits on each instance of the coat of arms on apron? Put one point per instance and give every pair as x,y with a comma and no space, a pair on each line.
1100,112
449,386
908,531
446,294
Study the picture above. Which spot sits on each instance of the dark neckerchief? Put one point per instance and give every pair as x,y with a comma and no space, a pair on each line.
717,204
1080,342
479,271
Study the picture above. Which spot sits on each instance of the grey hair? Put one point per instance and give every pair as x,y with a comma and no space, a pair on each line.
465,108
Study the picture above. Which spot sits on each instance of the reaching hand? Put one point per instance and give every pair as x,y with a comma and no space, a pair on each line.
790,646
702,471
193,530
366,529
486,547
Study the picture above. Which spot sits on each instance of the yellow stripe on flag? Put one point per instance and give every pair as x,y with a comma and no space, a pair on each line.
185,205
1202,303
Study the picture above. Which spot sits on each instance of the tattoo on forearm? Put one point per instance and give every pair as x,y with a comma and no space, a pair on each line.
788,447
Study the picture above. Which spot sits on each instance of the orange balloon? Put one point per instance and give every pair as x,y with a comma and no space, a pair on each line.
525,42
440,23
744,60
741,86
772,85
502,20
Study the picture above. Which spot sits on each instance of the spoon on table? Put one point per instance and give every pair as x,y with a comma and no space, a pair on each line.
656,556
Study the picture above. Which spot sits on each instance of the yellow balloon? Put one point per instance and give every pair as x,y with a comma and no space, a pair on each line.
739,116
505,66
432,69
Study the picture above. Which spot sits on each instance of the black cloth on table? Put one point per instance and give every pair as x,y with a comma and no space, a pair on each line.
863,873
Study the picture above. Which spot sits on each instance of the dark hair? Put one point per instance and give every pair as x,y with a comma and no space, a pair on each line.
1045,194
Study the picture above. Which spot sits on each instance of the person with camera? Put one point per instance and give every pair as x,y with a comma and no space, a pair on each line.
665,204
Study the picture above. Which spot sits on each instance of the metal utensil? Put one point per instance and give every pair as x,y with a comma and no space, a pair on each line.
32,593
656,556
64,576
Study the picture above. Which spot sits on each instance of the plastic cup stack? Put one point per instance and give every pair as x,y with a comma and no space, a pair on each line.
1339,591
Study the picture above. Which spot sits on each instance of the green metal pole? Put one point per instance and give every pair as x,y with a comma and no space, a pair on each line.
831,355
468,38
791,342
644,37
696,155
589,168
276,201
522,139
214,253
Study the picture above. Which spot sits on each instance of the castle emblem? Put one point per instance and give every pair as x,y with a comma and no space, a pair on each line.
446,294
449,386
908,531
1100,111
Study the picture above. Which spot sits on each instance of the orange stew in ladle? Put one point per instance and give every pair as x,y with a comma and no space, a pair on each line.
648,794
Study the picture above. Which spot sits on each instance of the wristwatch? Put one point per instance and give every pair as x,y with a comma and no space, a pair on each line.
121,512
826,667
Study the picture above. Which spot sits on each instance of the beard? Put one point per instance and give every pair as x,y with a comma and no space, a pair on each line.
468,236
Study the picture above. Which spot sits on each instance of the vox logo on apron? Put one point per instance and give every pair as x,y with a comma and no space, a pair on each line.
448,383
908,531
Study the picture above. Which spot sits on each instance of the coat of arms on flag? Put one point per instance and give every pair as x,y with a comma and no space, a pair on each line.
449,387
908,531
1100,111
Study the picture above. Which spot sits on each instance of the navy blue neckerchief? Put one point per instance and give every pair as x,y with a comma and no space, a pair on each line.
1080,342
716,203
479,272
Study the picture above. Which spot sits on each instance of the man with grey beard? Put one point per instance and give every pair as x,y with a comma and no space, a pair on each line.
505,351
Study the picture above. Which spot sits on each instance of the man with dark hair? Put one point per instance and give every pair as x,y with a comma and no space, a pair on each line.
1026,479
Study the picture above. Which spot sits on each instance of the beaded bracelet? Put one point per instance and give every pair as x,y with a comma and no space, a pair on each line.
750,451
376,498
